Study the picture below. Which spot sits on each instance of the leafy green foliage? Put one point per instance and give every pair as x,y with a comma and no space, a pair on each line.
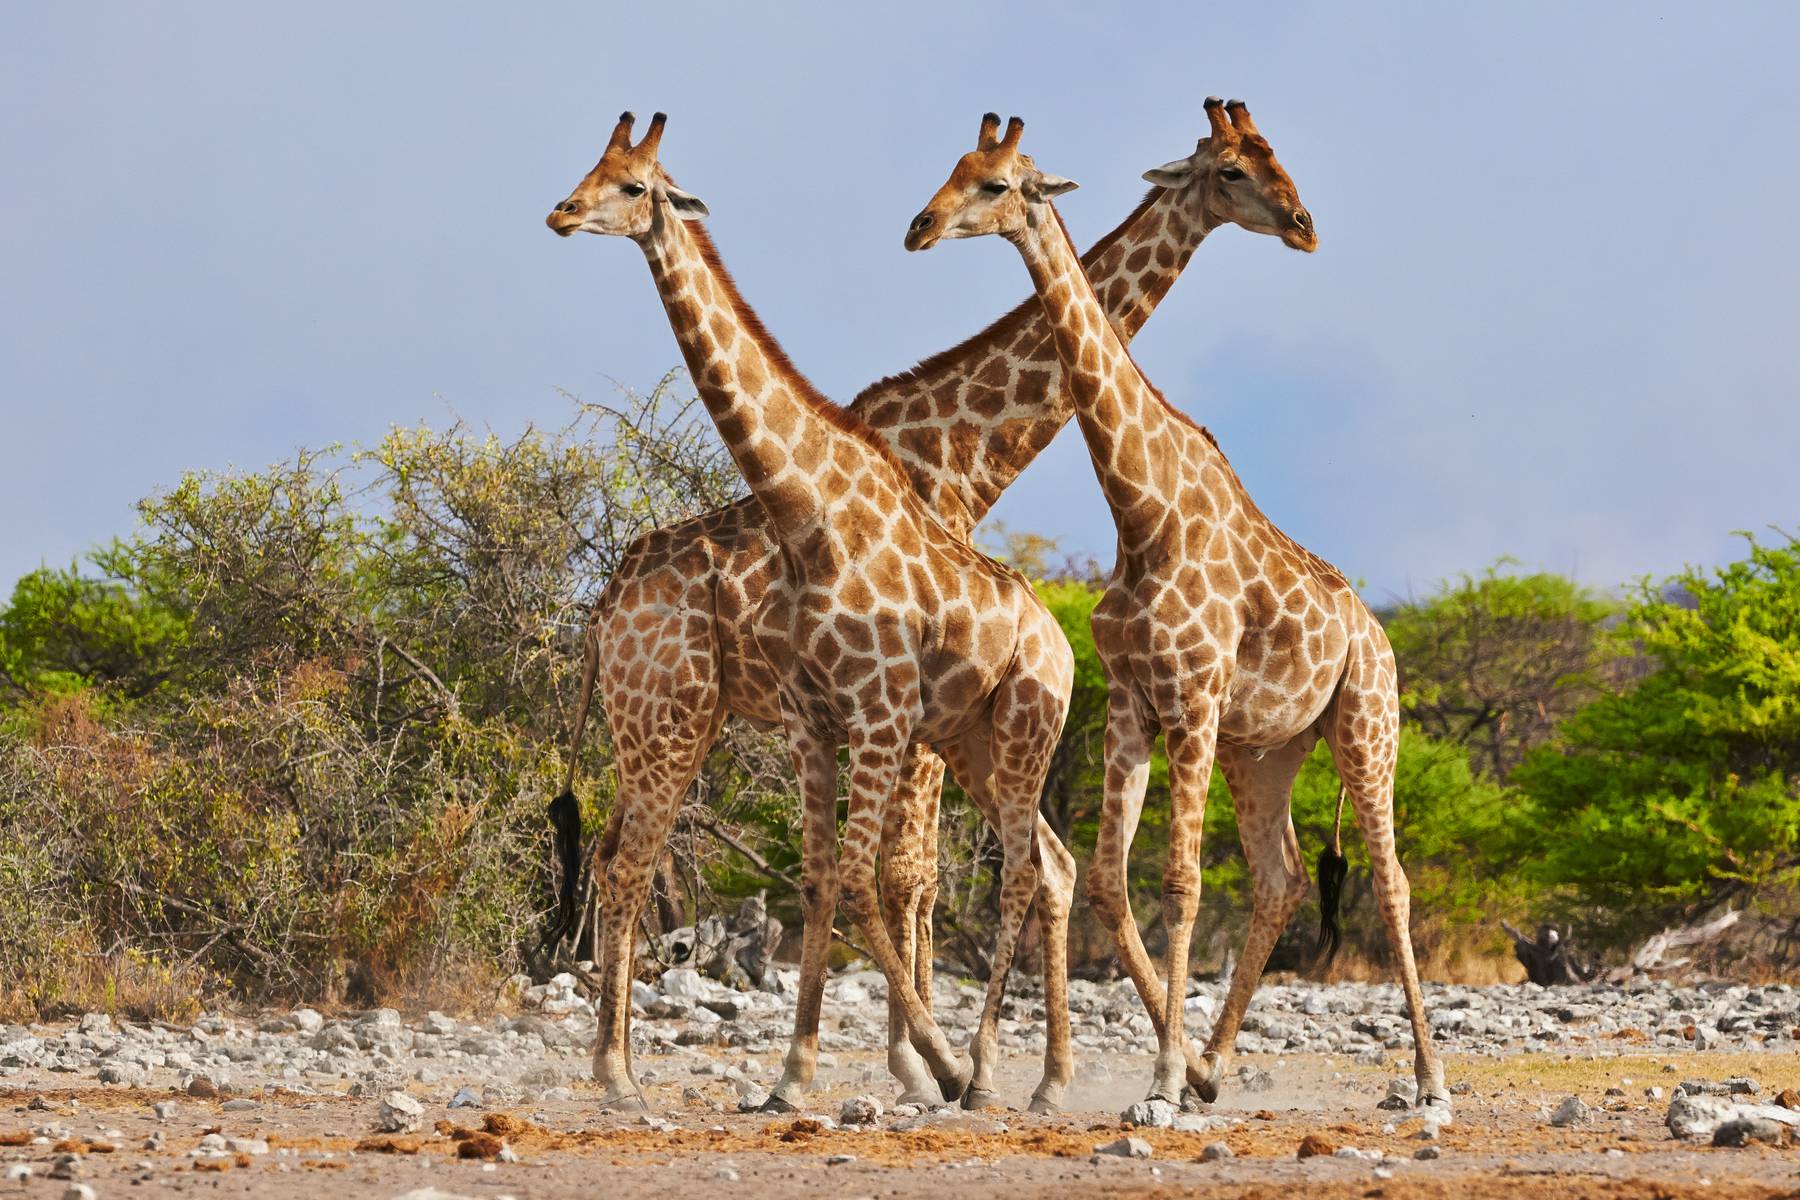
1684,789
1494,661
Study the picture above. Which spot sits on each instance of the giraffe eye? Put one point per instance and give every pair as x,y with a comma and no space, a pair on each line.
994,187
632,189
1231,174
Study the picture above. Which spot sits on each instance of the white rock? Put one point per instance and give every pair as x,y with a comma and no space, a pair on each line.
78,1191
1155,1113
1698,1117
1126,1147
399,1113
860,1110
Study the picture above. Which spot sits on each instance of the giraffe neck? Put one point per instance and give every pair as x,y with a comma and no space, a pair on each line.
967,421
771,419
1146,455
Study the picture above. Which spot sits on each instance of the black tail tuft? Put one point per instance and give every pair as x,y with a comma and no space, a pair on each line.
565,819
1333,869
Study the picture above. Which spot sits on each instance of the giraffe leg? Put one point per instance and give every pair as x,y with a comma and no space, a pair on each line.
1364,735
1260,791
908,892
1128,744
651,785
875,758
815,765
1056,896
1190,752
972,762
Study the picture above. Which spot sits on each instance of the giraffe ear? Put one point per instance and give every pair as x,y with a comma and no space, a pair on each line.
1047,186
1175,174
685,206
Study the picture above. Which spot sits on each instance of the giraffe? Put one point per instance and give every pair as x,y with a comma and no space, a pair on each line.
1216,629
965,423
890,629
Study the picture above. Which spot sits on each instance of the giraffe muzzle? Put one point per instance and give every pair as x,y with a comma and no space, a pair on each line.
920,235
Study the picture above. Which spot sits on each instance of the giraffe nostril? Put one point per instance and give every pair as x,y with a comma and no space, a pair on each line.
567,206
922,222
1302,218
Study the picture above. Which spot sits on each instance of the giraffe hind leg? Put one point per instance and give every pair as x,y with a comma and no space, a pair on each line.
1363,732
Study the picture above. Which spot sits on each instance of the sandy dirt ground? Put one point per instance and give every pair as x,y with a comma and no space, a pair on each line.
1500,1145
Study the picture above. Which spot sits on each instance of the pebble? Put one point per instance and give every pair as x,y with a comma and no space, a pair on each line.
1126,1147
78,1191
1216,1152
1427,1153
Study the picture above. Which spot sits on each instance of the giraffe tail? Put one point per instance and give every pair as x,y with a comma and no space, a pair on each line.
565,810
1333,870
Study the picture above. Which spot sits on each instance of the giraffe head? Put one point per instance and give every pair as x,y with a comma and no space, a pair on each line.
990,191
1232,176
619,196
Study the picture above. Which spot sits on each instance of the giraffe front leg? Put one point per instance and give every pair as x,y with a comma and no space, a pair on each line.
1128,744
815,765
874,765
1261,791
908,893
1190,752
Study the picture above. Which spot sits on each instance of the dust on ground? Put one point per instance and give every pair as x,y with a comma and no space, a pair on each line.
1501,1140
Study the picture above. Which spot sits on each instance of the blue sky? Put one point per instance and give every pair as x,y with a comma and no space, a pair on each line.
1553,314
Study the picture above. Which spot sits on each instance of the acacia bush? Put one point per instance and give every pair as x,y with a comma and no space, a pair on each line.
293,739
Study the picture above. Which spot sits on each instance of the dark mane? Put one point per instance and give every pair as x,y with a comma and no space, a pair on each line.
1143,378
1007,325
836,415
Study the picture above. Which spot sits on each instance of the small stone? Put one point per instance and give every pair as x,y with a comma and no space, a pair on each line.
1126,1147
1572,1111
78,1191
18,1172
399,1113
860,1110
727,1174
466,1097
245,1145
202,1088
65,1166
838,1160
1788,1098
1216,1152
241,1104
165,1110
1427,1153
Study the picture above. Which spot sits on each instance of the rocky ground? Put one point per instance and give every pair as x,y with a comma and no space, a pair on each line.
1577,1091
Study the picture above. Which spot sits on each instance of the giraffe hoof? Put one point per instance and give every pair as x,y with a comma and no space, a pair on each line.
1043,1106
976,1099
1434,1109
924,1100
1207,1091
624,1102
776,1103
954,1087
1191,1100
